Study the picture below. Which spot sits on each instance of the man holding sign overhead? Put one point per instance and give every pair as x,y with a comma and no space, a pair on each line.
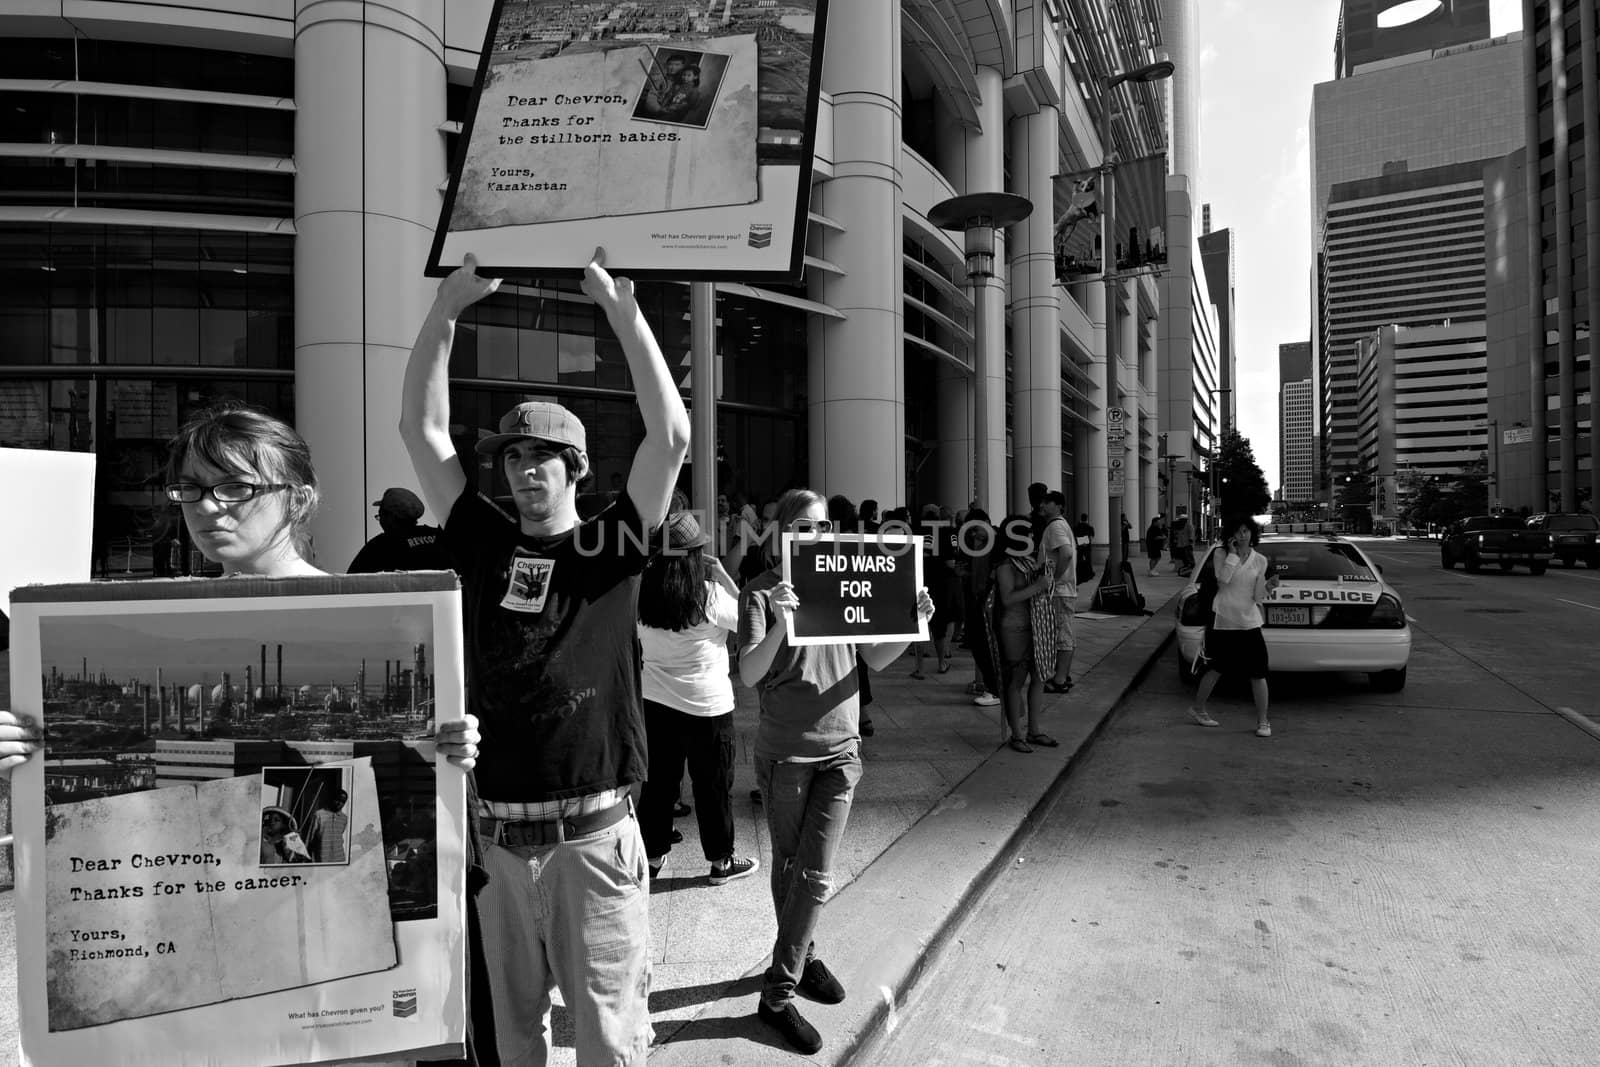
807,750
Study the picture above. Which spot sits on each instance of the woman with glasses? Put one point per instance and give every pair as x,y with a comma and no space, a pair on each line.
807,763
247,489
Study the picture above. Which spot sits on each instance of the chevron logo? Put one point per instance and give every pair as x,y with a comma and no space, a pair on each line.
405,1003
760,235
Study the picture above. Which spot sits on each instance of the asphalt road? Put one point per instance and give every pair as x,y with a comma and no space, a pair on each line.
1390,879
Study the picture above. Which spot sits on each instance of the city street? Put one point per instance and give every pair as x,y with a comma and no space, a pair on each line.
1402,878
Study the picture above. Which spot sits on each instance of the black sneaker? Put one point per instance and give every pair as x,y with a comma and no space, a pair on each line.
800,1035
867,729
818,983
732,868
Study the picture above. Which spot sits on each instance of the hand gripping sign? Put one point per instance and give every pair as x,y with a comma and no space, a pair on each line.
854,587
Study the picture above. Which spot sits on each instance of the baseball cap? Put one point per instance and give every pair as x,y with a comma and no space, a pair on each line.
684,533
401,503
536,420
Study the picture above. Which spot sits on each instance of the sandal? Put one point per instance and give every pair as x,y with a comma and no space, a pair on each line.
918,675
1043,739
1019,745
1052,686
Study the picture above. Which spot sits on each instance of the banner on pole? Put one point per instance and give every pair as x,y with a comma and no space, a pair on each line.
221,866
679,137
1138,224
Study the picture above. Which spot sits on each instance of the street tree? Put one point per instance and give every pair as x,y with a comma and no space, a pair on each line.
1243,488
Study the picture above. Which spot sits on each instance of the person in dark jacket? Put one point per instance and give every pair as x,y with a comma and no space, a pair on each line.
404,544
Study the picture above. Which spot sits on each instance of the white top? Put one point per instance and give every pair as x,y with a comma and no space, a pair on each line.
1241,587
1057,534
687,670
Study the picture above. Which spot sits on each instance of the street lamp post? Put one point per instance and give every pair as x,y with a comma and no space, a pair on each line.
979,215
1115,561
1215,486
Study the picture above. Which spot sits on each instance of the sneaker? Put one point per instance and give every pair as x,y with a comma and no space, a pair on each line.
1264,730
801,1035
733,867
986,700
1202,717
818,983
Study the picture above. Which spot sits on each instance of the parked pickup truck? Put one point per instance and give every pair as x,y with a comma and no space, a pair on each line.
1574,537
1504,540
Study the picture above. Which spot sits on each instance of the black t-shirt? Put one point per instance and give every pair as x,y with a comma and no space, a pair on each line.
420,548
552,654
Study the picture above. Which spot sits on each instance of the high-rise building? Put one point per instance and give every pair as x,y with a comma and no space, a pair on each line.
1422,401
1400,139
1297,422
212,200
1544,379
1217,256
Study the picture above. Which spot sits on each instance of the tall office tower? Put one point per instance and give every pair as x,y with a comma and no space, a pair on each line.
1545,383
1217,258
1399,142
1297,416
1422,397
1403,249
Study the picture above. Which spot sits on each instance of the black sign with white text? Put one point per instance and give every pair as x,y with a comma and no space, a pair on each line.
854,587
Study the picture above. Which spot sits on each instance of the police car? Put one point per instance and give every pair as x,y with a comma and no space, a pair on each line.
1331,611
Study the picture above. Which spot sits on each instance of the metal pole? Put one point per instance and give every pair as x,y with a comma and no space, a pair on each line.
980,392
1108,263
703,407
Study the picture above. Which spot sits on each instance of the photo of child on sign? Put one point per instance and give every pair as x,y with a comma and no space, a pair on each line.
854,587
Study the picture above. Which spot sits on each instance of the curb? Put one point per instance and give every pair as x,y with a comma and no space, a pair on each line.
897,915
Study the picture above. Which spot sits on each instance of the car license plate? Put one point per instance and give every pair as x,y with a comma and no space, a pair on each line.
1280,615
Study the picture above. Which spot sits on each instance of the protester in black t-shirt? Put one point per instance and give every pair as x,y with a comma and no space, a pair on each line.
549,607
404,544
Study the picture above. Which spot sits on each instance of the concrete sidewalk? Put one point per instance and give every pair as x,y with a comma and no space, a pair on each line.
938,805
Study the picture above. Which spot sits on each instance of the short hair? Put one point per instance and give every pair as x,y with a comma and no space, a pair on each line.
1036,493
869,509
840,509
1058,498
234,436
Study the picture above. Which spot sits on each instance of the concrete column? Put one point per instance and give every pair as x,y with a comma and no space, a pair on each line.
1539,486
856,369
1590,43
369,93
703,410
1127,323
1092,461
1035,309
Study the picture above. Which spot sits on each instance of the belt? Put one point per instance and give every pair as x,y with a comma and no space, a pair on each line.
538,832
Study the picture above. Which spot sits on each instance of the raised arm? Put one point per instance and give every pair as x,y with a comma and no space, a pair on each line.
666,422
425,391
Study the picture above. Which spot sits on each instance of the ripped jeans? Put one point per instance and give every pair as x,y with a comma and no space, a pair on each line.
807,806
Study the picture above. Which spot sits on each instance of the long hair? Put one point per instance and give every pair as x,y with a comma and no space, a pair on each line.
672,590
235,437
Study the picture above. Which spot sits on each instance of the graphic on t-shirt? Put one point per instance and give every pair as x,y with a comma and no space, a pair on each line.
529,583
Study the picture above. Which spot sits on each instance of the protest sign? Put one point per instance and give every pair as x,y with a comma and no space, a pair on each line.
854,587
46,544
680,141
224,867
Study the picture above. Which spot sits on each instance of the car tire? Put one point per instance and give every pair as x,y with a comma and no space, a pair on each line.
1505,566
1568,561
1538,568
1445,561
1388,681
1471,564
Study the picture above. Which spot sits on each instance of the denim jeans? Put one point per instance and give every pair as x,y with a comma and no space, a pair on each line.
574,915
807,807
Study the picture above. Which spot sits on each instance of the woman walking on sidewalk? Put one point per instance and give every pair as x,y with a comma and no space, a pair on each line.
807,761
687,609
1233,643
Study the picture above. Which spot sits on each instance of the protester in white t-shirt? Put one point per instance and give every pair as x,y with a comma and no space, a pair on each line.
688,606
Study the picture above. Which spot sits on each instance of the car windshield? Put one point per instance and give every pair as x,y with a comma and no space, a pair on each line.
1572,522
1321,561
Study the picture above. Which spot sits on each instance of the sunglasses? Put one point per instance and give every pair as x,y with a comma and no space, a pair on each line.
813,526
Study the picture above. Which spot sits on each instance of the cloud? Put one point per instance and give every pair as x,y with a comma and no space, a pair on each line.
1208,55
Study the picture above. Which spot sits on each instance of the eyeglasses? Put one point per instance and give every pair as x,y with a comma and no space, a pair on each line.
813,526
222,492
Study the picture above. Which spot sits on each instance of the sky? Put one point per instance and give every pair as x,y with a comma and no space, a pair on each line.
1258,62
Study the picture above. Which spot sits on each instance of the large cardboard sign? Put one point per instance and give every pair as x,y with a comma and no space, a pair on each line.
48,535
239,847
678,136
854,587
